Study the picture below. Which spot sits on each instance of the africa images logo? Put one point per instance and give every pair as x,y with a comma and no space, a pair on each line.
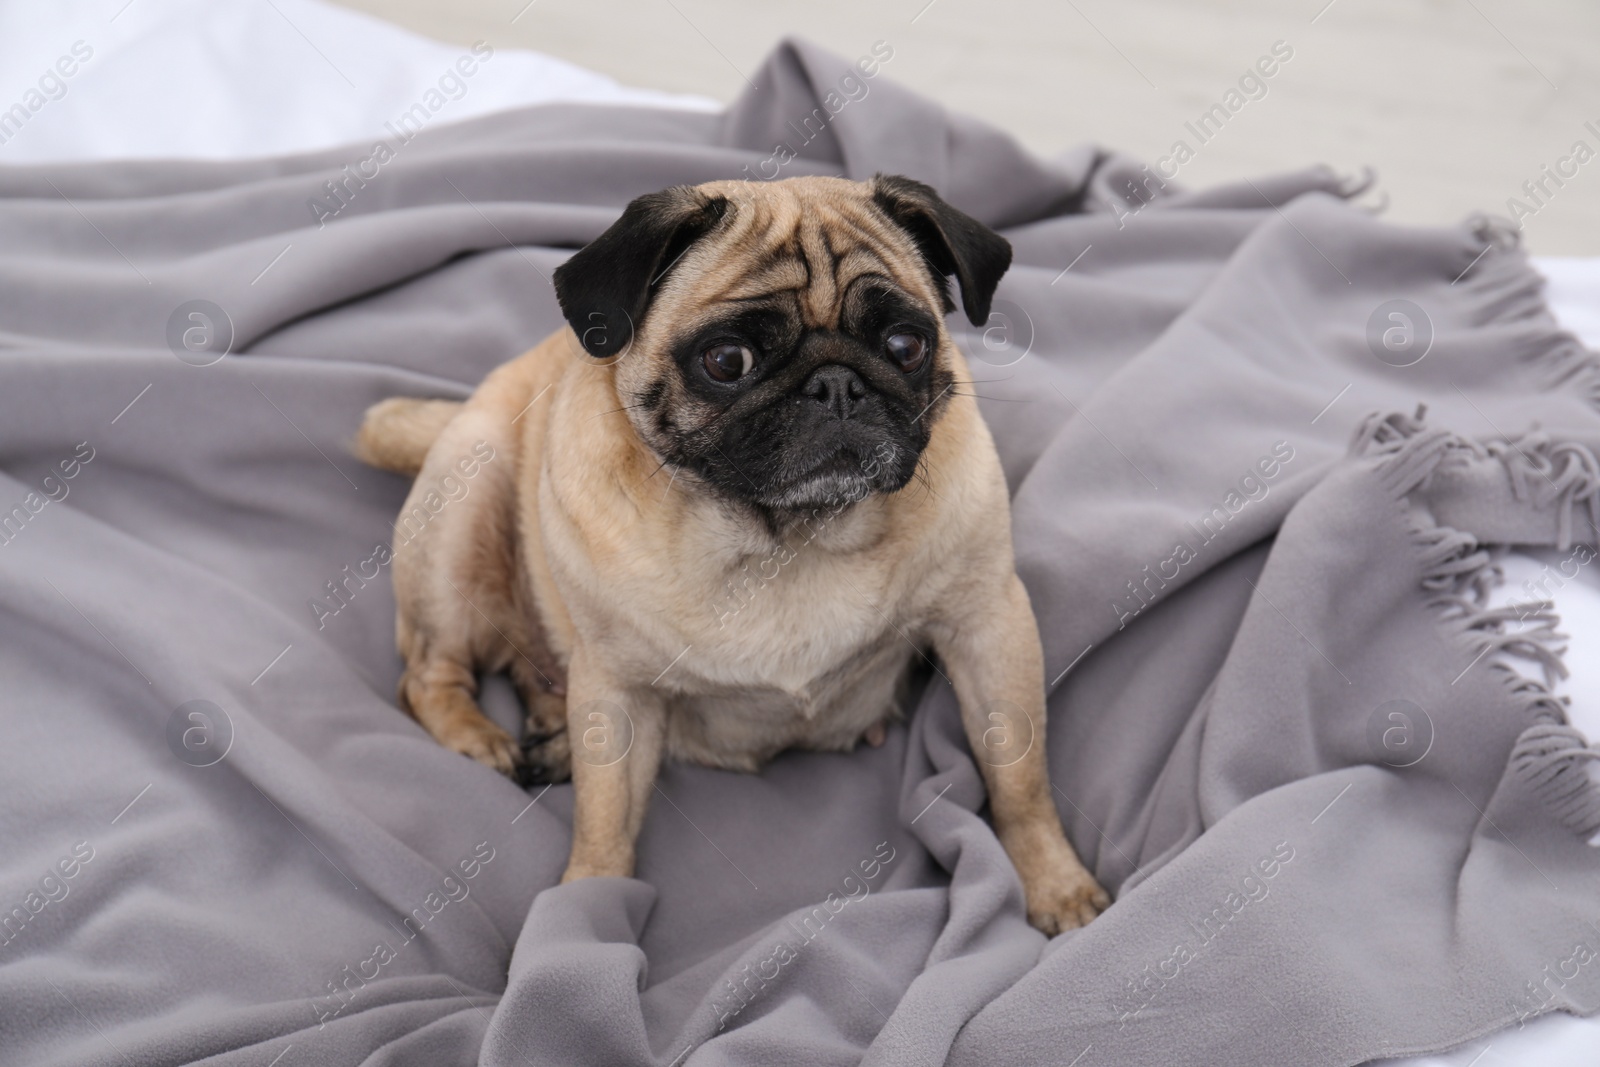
1252,487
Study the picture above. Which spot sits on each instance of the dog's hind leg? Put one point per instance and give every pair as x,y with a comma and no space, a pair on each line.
454,576
462,605
440,692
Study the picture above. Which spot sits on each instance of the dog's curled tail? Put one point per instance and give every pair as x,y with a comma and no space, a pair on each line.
396,433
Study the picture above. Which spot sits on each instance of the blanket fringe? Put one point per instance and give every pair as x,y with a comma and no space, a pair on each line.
1513,292
1550,756
1553,759
1495,230
1354,186
1541,470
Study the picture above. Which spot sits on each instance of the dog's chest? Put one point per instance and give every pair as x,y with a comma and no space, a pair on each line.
798,626
786,667
801,642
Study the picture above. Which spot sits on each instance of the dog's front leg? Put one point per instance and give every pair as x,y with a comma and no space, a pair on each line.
616,735
992,653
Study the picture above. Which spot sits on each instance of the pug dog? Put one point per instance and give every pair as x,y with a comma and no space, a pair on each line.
723,512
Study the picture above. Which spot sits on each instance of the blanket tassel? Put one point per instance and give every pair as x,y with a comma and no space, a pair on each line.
1551,755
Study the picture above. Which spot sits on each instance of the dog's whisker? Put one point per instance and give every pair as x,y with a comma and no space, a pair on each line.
1004,399
613,411
655,472
920,474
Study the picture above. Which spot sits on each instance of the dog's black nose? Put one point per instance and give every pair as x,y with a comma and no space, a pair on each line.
835,387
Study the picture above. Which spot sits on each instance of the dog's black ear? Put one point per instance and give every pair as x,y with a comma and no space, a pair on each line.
951,241
606,286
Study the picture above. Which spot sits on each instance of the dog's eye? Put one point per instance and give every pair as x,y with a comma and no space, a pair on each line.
907,350
728,362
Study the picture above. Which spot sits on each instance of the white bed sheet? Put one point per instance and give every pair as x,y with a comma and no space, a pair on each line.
223,79
203,79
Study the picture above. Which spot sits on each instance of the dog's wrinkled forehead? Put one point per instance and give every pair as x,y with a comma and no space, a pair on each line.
809,241
813,237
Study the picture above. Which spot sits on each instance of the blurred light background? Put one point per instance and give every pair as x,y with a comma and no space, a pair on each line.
1455,103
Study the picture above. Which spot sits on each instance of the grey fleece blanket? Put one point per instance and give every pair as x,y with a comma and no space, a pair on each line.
1284,729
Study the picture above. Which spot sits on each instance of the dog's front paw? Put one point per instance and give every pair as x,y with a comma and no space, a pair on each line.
1061,894
485,742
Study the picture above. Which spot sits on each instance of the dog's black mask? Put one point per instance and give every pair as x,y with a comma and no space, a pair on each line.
769,398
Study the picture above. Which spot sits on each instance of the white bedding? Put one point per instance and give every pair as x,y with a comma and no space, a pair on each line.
222,80
197,78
